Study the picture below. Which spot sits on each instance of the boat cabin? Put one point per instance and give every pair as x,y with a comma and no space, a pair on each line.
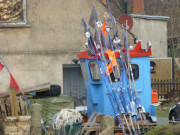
97,97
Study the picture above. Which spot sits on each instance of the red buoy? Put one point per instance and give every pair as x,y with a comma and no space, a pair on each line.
124,49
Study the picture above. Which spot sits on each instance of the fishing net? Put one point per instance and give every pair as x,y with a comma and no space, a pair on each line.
67,117
53,105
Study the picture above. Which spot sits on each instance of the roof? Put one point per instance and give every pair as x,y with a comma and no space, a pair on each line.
136,52
150,17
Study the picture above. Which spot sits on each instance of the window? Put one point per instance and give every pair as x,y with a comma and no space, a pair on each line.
94,70
13,13
84,70
152,66
135,70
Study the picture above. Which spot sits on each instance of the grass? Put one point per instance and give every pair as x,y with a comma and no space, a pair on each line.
167,104
171,129
162,113
163,109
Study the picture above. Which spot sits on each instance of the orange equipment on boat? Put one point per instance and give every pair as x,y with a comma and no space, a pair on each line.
154,96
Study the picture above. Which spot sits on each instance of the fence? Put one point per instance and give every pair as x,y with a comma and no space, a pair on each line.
167,89
5,107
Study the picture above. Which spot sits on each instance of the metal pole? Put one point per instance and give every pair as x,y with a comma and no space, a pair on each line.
125,6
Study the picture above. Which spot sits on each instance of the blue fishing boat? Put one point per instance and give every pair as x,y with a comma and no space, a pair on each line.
97,96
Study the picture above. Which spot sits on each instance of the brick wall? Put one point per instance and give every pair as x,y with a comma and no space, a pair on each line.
138,6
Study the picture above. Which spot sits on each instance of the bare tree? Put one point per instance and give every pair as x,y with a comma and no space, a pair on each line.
117,7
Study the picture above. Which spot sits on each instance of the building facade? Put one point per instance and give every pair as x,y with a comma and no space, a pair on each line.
152,29
39,48
51,36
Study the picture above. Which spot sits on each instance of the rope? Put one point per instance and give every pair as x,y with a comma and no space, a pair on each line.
66,117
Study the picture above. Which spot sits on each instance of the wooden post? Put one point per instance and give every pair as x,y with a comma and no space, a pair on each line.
13,101
107,125
179,87
164,89
167,87
36,110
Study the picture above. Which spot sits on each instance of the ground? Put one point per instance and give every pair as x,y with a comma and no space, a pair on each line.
171,129
163,126
163,112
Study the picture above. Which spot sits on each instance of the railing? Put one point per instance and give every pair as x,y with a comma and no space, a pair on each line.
167,89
